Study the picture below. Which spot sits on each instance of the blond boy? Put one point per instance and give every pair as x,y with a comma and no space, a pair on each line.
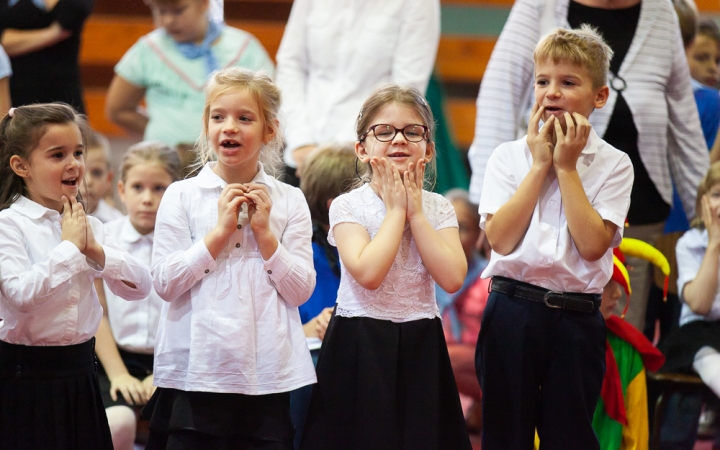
553,206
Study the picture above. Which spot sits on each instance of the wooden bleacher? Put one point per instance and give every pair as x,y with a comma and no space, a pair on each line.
115,25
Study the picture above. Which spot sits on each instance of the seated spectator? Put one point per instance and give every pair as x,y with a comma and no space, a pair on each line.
98,179
329,171
126,337
462,311
169,67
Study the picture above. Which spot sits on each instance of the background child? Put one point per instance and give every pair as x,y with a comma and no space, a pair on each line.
126,338
169,67
553,205
384,376
98,179
695,346
702,54
233,260
50,253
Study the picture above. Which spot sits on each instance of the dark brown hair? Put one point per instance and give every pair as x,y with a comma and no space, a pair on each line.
20,134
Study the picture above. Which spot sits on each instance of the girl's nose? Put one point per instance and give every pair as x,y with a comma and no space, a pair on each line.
399,138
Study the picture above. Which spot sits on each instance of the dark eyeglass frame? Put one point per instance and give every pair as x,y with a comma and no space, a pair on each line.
396,130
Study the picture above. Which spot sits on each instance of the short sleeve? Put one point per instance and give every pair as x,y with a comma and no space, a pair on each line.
499,183
613,200
131,66
341,211
443,215
5,68
689,255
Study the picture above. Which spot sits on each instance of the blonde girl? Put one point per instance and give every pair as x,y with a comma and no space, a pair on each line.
50,253
126,338
384,375
233,260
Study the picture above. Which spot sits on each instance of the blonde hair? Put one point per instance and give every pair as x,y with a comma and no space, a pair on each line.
401,95
267,96
711,178
327,172
583,47
97,141
152,152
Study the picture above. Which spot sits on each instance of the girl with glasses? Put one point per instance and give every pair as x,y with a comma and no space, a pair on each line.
384,375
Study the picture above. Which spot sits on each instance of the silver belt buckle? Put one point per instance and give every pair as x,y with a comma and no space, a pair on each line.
547,296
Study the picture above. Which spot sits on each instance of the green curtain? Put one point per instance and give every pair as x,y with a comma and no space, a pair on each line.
451,169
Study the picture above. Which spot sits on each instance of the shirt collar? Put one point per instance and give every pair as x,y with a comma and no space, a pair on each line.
33,210
208,179
592,145
129,234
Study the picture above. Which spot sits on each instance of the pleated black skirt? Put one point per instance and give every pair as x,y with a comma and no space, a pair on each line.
683,343
385,386
218,421
50,398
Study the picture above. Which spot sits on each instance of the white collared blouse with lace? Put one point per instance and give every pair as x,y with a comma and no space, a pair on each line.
408,291
231,324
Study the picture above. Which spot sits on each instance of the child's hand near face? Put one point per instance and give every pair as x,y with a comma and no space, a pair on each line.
74,223
413,180
388,184
570,144
711,221
540,140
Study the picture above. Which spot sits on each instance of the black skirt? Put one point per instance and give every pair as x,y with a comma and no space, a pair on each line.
213,420
683,343
139,365
385,386
50,398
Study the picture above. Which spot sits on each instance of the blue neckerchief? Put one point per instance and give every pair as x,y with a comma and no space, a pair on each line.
447,301
191,50
40,4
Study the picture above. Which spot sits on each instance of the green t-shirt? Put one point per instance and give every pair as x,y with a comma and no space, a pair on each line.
174,84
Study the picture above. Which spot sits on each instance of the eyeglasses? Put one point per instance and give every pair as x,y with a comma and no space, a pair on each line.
386,133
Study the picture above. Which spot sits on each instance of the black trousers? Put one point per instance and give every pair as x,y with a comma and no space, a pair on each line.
539,368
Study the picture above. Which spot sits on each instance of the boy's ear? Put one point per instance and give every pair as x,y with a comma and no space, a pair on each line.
19,166
601,97
361,152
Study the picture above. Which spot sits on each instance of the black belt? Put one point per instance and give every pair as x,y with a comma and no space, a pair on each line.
572,301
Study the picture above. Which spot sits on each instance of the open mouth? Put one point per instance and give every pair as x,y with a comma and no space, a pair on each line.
398,155
230,144
552,109
70,182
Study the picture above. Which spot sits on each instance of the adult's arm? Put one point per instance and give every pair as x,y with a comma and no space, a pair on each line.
508,76
414,56
687,151
292,77
19,42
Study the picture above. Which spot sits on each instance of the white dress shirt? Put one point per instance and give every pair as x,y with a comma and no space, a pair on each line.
335,52
408,291
689,251
547,256
48,296
231,324
134,324
658,93
106,213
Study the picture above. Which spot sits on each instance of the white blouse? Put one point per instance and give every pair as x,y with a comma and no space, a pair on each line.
134,324
547,255
232,324
335,52
408,291
690,251
47,289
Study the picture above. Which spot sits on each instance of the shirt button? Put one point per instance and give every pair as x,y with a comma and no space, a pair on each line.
270,272
207,270
237,245
239,226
